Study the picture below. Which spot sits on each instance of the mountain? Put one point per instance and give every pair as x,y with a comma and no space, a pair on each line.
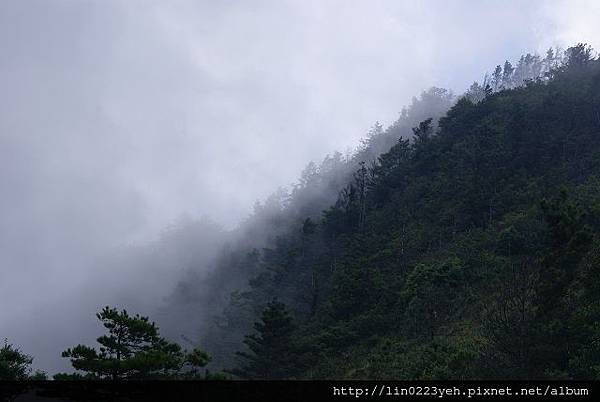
468,249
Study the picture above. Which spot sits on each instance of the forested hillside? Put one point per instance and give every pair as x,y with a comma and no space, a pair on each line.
470,248
460,242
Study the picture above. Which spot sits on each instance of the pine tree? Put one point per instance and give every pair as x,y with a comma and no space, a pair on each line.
579,55
272,354
507,75
360,178
14,364
497,78
132,349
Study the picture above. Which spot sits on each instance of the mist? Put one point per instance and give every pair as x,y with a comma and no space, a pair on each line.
126,123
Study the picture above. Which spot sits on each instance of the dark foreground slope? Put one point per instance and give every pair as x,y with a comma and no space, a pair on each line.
470,251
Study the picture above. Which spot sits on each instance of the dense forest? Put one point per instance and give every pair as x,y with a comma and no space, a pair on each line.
461,242
468,249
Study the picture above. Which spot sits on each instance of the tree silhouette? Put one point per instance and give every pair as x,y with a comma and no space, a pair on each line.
132,349
272,354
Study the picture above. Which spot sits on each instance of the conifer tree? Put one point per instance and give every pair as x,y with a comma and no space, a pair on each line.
132,349
14,364
497,78
271,353
507,74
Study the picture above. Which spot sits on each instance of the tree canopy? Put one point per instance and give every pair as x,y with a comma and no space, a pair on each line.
271,349
467,249
132,349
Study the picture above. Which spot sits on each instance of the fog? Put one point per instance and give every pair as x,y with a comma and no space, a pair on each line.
119,119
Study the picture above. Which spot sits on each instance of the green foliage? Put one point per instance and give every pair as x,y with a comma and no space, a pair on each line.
442,359
14,364
271,352
467,249
132,349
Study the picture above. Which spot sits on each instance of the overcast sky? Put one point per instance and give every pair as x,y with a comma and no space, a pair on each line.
118,117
